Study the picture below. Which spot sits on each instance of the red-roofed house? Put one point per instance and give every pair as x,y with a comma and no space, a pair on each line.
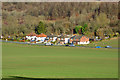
41,37
77,39
31,36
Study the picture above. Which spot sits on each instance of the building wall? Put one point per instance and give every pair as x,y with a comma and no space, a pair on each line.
70,40
87,42
37,38
62,42
54,39
42,39
84,39
66,40
78,43
31,37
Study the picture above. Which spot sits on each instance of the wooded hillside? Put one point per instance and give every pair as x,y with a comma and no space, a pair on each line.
60,17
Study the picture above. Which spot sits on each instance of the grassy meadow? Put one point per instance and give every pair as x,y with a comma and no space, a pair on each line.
58,62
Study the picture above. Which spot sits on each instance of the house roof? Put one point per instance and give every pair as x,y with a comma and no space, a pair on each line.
77,41
41,35
63,36
77,37
51,36
32,34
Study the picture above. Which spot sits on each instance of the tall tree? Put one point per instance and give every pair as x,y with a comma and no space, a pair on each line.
40,28
84,28
78,29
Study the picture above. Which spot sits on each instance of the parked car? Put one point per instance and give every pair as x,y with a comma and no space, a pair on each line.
52,44
48,44
67,45
99,39
97,47
72,45
108,46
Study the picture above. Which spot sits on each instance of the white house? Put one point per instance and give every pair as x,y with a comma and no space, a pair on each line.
67,39
51,38
41,37
63,39
31,36
77,39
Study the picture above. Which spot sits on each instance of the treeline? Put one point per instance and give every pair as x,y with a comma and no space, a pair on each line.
20,18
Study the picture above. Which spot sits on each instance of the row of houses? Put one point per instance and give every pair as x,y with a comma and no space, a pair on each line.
59,39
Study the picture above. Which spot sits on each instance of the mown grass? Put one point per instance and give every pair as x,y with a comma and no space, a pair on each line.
58,62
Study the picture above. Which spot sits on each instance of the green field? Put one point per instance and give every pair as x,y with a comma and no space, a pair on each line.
58,62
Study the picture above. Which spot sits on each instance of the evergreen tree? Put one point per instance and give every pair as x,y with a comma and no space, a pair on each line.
84,28
40,28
